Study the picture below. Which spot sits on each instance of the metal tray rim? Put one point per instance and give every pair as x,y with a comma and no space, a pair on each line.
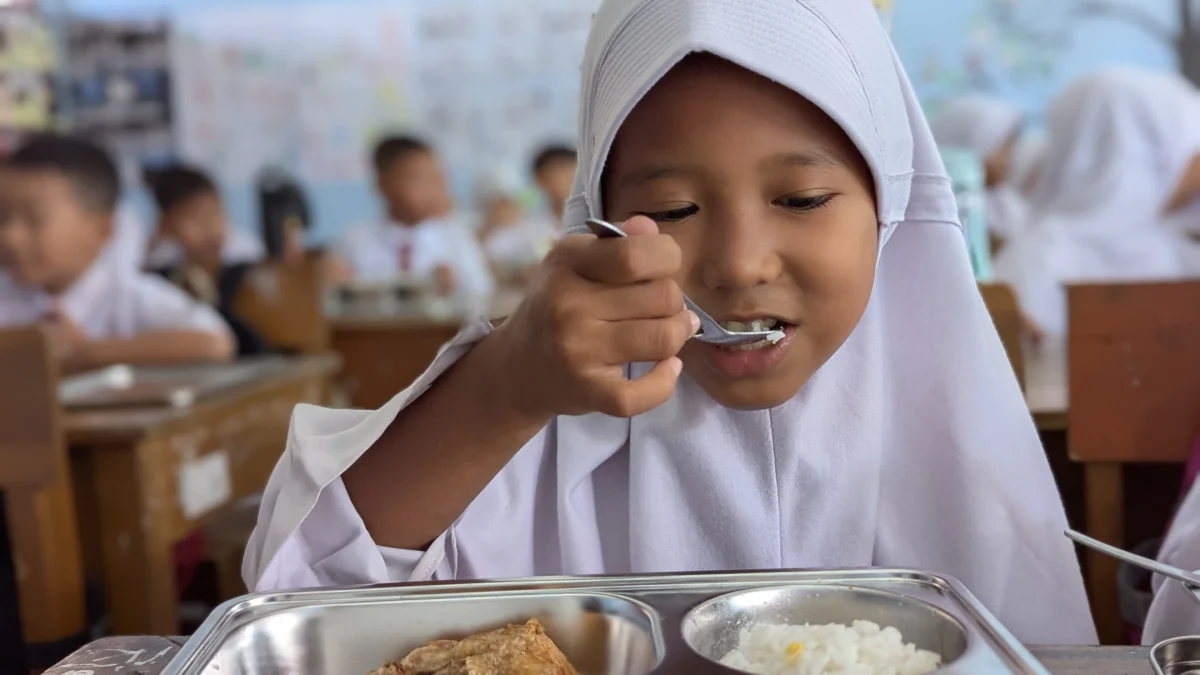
224,619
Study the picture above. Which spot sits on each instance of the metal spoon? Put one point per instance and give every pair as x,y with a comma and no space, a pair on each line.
1170,571
710,331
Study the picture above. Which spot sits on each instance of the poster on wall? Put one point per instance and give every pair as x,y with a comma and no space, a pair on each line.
28,58
487,81
118,76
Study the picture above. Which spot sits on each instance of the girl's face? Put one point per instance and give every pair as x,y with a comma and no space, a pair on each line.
773,207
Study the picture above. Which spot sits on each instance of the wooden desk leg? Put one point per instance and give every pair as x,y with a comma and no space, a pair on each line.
1104,492
45,543
139,574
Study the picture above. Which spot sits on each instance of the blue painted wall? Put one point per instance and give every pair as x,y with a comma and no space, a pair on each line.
1024,50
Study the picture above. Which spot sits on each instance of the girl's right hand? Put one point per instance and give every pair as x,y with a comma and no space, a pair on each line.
595,306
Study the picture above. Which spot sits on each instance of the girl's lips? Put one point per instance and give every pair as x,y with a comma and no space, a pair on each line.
747,363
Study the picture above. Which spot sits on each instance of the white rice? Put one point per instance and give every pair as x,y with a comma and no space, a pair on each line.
862,648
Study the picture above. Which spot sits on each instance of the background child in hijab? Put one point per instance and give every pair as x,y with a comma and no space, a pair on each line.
886,428
514,241
992,129
1122,155
191,213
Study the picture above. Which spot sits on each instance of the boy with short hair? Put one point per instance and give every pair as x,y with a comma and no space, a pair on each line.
420,240
58,197
554,173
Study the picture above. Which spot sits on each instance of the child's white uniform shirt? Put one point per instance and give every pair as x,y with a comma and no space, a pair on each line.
110,301
911,447
386,251
241,247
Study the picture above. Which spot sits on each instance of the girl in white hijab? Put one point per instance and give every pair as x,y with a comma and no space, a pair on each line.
769,158
992,129
1122,145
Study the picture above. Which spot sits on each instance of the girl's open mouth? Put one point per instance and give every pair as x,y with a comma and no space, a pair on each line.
756,358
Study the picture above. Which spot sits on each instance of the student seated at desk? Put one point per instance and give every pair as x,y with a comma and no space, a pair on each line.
516,242
1174,611
775,170
421,241
190,213
1124,153
58,196
513,240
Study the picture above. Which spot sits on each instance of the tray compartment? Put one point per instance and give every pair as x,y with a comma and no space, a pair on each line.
600,634
714,628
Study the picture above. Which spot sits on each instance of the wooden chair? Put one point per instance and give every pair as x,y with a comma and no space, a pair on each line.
1134,381
36,480
1002,305
286,304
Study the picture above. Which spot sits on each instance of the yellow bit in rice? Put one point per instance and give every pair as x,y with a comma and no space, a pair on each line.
795,651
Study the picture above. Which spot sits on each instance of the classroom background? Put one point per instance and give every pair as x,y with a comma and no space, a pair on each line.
131,490
489,80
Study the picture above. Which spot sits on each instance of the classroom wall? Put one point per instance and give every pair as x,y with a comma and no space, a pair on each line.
1024,50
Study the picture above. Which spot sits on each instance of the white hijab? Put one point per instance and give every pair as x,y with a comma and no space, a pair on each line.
982,124
975,122
1119,141
911,447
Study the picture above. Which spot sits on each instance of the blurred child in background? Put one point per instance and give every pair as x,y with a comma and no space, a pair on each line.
554,173
514,242
240,248
992,129
191,213
1124,152
58,200
421,241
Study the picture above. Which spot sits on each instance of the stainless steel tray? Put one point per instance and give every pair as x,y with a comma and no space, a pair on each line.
1177,656
632,625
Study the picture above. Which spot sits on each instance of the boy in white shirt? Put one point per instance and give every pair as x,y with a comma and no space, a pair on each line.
58,199
421,240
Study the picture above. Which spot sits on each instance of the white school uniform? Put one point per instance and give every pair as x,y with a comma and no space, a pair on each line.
1119,141
130,238
911,447
982,124
386,251
522,245
110,301
241,247
1175,611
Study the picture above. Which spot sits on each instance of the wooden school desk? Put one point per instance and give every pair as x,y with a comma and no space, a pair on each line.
39,504
1042,375
147,477
1134,382
285,302
383,352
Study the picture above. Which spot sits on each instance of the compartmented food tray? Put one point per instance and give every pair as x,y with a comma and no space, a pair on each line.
631,625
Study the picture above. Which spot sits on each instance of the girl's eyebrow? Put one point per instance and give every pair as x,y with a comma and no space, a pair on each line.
652,173
814,158
811,158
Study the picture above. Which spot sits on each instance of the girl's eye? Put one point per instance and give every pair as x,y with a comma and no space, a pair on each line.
805,203
672,216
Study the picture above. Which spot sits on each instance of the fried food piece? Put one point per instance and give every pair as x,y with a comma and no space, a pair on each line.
512,650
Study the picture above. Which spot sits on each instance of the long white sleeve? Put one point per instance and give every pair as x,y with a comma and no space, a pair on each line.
1175,611
308,532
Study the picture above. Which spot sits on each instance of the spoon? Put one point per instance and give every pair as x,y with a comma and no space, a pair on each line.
1170,571
710,331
